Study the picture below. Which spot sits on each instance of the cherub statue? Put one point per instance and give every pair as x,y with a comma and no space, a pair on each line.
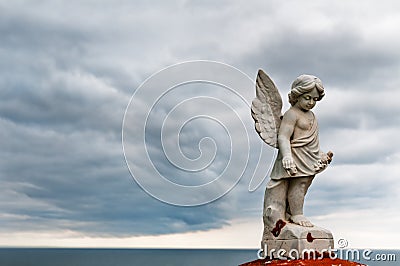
295,134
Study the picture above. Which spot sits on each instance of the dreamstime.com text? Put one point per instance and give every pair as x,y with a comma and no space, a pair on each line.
333,253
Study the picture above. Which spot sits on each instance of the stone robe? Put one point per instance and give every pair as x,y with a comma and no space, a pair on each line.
305,153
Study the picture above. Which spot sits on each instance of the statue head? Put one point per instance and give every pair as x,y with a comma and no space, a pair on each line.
305,84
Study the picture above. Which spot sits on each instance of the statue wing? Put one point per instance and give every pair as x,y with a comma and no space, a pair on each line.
266,109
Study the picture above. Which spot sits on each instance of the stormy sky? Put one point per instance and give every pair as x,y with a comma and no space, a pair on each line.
68,71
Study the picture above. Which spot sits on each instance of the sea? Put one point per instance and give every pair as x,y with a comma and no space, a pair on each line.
164,257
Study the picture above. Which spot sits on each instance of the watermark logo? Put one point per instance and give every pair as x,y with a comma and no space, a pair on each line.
342,243
188,136
342,252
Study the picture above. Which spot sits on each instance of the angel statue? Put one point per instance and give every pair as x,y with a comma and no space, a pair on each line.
295,134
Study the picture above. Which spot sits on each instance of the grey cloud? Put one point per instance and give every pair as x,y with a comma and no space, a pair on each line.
69,69
341,58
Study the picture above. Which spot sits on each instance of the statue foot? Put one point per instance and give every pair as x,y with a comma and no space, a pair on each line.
301,220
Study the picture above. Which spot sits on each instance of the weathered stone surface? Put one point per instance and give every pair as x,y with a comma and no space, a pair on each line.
296,136
299,160
293,240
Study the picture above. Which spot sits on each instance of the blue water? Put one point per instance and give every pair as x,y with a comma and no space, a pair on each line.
125,257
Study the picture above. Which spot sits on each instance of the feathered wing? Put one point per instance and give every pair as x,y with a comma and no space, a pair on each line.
266,109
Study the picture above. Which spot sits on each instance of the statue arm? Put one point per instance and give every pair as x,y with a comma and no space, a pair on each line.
285,133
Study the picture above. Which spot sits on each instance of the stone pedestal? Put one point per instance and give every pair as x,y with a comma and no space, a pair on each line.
296,242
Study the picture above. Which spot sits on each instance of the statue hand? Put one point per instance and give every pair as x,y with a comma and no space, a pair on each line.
289,165
326,158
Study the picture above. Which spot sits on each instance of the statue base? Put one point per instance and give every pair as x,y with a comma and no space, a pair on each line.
288,240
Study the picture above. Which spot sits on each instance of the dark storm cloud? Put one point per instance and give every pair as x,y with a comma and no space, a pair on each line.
68,70
340,58
64,89
82,184
345,62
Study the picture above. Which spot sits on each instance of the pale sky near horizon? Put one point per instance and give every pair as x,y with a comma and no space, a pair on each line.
69,69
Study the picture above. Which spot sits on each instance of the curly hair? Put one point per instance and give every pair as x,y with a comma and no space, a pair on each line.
305,84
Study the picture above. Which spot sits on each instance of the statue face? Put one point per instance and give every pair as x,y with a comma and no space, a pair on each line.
308,100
